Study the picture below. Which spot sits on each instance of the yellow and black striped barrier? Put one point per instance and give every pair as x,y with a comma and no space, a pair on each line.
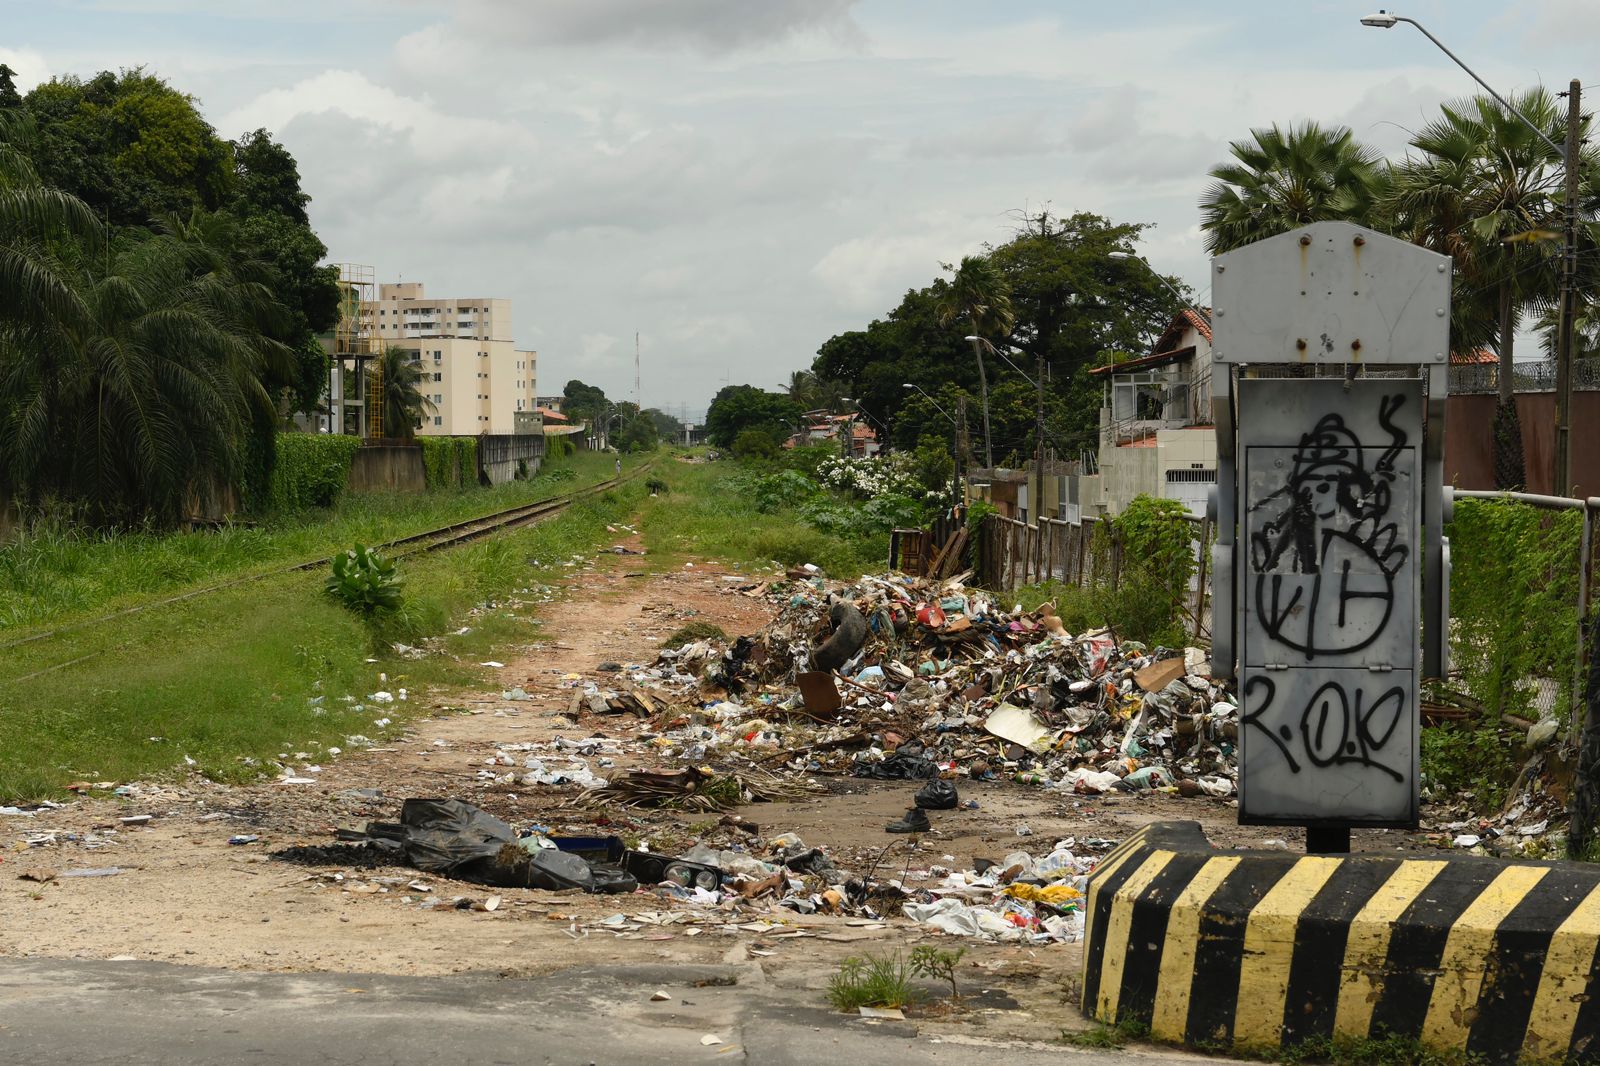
1259,950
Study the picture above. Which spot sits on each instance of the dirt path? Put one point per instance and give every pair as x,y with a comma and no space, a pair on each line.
185,894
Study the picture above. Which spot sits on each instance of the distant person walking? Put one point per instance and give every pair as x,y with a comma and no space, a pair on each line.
619,467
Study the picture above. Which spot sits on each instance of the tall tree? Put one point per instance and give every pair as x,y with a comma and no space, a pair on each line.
1281,179
9,97
270,207
141,400
131,146
405,405
584,403
1481,189
737,408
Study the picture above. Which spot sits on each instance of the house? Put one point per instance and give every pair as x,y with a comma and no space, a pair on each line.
1156,434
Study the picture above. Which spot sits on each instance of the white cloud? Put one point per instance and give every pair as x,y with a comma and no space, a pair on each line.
29,65
709,25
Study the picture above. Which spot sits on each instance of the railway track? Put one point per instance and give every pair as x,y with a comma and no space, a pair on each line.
431,540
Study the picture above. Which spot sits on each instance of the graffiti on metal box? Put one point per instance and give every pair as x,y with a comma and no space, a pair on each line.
1326,556
1335,728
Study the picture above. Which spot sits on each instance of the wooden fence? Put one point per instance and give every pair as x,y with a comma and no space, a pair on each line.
1010,554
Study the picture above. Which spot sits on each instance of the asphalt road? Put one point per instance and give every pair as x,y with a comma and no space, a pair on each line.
82,1013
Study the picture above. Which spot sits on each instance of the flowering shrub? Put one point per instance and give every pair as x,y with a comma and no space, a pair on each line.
874,475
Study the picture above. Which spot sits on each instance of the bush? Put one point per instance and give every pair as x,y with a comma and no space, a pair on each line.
808,458
1157,562
558,447
311,469
364,581
786,488
1477,764
755,444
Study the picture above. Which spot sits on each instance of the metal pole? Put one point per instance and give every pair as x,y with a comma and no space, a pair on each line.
983,386
1502,101
1561,484
1038,448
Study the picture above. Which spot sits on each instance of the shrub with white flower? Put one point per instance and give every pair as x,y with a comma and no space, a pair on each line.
873,475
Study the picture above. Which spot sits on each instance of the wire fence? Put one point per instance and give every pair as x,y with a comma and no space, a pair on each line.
1521,591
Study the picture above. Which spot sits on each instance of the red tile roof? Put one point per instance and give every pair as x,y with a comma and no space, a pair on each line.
1476,357
1201,322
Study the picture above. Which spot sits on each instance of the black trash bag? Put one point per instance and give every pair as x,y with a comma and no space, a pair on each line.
901,766
442,836
456,839
937,795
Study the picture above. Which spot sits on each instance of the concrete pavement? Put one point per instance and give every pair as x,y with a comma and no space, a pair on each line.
85,1013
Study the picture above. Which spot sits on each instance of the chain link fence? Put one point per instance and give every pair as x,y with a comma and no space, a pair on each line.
1521,587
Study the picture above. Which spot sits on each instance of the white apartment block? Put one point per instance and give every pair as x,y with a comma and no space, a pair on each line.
471,368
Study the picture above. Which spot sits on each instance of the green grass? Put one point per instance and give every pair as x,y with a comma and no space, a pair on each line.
705,516
1106,1037
872,981
53,575
226,679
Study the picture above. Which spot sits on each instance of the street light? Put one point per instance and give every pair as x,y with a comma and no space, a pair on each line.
983,388
1182,299
1562,459
931,400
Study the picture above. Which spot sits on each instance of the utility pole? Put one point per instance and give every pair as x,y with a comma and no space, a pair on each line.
983,386
1036,505
1561,483
638,390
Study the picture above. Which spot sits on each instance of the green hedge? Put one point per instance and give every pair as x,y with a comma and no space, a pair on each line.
450,462
311,469
1514,604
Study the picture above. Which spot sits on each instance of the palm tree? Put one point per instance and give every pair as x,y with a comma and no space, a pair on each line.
802,388
404,403
35,289
979,297
1483,190
144,402
1282,179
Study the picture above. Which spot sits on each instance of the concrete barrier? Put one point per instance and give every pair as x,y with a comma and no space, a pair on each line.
387,468
1256,950
502,456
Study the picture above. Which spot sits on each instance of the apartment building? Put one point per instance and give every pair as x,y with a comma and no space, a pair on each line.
471,368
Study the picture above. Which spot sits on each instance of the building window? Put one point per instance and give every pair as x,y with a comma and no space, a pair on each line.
438,421
438,377
438,397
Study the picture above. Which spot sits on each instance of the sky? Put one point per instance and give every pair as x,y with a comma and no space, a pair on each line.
738,180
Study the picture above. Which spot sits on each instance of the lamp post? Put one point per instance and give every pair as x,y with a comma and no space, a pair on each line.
1141,259
1038,432
1561,465
983,387
955,445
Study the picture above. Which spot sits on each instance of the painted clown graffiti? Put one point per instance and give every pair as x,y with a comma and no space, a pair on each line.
1330,545
1326,538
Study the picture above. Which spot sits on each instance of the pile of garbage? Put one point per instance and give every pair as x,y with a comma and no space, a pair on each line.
904,678
1018,898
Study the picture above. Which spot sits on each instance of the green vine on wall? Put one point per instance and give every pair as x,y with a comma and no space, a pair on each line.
311,469
450,462
1514,603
